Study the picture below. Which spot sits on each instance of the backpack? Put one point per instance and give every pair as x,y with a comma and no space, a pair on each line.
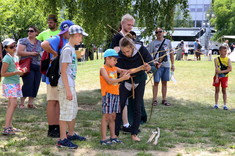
45,61
53,71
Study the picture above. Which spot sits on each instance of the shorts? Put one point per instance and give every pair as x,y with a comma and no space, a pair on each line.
111,104
163,74
222,80
52,93
11,90
68,109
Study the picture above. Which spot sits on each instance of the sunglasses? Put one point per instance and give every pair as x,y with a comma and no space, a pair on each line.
158,32
30,31
12,47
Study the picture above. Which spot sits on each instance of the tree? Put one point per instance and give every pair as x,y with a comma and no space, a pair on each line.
224,11
92,15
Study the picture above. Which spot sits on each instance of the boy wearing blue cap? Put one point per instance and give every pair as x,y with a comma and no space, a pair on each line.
67,92
53,46
110,95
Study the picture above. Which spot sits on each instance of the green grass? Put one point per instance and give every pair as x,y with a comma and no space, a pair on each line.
189,124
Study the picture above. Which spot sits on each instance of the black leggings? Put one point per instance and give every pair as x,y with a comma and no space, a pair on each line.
124,94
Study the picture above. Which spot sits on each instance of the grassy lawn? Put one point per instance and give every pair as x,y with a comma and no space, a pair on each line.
189,127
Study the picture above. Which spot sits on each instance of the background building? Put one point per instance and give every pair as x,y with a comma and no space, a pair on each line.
198,10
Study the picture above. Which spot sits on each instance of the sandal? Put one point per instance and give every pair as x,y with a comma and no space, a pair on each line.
15,129
21,106
8,131
155,103
164,102
31,106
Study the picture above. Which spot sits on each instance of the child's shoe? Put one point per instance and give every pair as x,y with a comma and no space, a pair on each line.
216,107
115,140
66,143
8,131
105,142
225,108
15,129
76,137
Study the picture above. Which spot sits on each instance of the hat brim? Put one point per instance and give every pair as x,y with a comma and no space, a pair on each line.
84,33
114,56
64,31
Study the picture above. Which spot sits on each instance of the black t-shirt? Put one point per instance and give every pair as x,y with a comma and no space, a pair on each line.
115,40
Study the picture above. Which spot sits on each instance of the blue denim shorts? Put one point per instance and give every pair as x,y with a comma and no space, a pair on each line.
163,74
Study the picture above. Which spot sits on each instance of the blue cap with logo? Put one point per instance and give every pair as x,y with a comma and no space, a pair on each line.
110,52
64,26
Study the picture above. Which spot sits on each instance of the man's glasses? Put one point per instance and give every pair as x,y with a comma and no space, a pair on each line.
158,32
30,31
12,47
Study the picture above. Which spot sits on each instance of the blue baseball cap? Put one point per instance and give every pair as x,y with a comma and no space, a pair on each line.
64,26
110,52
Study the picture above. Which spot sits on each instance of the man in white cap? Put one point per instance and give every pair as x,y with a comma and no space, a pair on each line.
67,92
54,46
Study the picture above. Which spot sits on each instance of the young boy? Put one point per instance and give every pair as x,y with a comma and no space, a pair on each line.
222,68
67,92
110,95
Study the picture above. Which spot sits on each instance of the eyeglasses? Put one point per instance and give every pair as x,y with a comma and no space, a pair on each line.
30,31
12,47
158,32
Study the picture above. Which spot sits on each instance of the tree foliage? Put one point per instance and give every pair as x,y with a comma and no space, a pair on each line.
224,11
92,15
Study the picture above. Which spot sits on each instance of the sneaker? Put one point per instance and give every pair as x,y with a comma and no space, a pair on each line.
216,107
66,143
76,137
225,108
8,131
115,140
126,129
105,142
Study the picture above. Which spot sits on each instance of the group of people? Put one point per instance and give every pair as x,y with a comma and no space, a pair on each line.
62,101
122,77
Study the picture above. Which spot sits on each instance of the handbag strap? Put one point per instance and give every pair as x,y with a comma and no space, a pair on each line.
221,64
159,48
60,44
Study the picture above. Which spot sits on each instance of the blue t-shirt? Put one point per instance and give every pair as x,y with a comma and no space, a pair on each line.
54,43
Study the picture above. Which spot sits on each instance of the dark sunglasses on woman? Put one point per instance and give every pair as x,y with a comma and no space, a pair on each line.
12,47
30,31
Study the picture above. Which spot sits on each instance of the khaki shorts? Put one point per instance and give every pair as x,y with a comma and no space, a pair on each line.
52,93
68,109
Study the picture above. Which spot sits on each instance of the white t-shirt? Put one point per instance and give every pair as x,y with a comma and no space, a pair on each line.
68,55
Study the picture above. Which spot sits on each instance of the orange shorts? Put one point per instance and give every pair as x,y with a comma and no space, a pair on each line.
222,80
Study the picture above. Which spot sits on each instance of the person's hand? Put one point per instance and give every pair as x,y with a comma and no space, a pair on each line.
216,80
69,95
157,64
55,55
126,75
172,67
147,67
19,72
34,53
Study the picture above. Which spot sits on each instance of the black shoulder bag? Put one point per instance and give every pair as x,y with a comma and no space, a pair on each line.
222,66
